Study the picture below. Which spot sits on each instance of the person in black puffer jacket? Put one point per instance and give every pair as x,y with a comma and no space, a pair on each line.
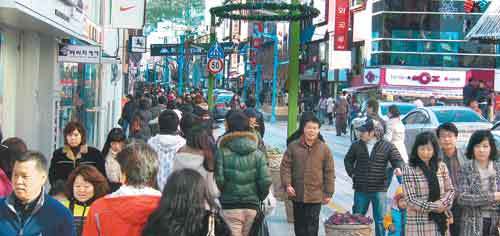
74,153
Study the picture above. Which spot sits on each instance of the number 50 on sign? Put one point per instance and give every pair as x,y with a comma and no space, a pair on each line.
215,65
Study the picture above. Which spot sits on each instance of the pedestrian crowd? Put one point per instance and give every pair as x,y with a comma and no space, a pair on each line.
165,173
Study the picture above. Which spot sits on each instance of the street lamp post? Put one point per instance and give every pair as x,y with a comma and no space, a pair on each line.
180,72
293,74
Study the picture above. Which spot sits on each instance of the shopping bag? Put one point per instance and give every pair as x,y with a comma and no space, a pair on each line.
259,226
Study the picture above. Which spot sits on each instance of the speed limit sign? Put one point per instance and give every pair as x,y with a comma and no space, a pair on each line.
215,65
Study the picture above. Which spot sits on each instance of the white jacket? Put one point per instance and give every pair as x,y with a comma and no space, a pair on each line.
395,133
166,146
193,161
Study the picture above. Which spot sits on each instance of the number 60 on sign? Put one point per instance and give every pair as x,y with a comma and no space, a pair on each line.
215,65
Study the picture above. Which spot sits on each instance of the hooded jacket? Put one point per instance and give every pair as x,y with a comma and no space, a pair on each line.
187,160
166,146
241,171
122,213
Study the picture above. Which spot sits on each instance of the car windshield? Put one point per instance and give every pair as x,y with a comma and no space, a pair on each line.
444,116
223,99
403,108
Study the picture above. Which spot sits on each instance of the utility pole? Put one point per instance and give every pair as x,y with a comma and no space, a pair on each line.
293,73
211,77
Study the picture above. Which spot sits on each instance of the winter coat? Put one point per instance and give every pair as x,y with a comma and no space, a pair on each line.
183,160
64,162
5,185
113,169
330,104
395,134
472,199
124,212
309,170
129,111
416,194
166,146
79,211
341,107
49,217
241,171
368,172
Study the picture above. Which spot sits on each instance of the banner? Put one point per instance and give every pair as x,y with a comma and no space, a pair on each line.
341,35
79,54
425,78
127,14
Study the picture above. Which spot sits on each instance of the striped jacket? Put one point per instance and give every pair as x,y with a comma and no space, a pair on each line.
368,172
473,199
416,194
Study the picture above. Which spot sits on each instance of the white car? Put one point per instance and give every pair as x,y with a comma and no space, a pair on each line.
429,118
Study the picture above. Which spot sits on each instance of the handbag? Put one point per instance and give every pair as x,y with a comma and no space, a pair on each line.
259,226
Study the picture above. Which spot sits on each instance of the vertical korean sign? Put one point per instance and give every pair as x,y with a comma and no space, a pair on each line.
341,35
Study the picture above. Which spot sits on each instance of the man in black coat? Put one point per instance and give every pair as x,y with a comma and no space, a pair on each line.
128,112
470,91
251,103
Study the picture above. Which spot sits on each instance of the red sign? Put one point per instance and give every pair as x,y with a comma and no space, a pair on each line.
341,35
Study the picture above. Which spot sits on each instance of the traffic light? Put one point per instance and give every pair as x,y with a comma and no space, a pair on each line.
468,6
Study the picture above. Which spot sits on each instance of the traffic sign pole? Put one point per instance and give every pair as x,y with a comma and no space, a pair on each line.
211,77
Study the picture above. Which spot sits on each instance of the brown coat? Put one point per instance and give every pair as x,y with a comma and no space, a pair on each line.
309,170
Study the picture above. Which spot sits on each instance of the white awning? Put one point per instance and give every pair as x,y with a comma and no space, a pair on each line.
423,92
319,33
488,26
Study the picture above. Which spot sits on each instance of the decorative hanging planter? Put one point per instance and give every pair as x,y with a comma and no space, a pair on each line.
282,12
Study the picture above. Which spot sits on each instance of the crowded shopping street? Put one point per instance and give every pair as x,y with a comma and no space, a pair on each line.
249,118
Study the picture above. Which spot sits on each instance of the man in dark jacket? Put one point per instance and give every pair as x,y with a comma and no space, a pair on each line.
128,112
366,163
241,174
308,174
251,103
28,210
470,91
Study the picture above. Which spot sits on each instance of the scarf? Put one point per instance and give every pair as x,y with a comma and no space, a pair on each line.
434,194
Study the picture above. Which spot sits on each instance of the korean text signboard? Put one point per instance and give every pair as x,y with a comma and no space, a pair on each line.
341,35
79,54
425,78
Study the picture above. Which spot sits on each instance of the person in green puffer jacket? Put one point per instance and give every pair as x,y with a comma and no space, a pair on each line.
241,174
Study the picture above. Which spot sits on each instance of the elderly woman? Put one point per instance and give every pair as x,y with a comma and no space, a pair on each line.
74,154
84,186
479,186
427,189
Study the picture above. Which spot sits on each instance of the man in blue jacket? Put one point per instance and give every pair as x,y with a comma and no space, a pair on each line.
28,210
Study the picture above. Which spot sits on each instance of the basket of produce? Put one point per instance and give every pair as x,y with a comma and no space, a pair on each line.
274,157
347,224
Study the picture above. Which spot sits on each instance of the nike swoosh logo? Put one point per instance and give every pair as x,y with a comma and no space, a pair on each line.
126,8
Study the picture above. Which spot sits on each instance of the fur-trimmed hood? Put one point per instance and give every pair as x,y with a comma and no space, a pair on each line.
241,143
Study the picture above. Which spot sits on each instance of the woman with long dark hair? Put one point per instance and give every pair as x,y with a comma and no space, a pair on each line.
198,152
427,189
186,208
114,144
479,186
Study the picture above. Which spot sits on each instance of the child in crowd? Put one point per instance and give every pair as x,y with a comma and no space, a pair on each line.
394,221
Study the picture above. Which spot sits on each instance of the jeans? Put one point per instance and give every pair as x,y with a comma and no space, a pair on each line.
362,201
306,218
240,220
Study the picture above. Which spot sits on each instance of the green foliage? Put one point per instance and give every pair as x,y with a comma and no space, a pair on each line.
187,12
283,11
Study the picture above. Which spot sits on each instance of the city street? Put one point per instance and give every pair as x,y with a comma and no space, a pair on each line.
342,201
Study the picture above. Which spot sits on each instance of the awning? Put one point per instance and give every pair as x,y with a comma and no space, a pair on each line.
359,88
488,26
451,93
319,33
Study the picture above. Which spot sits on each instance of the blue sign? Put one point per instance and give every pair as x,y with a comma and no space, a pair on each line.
215,51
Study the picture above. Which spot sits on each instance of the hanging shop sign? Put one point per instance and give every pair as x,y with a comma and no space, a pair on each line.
425,78
137,44
341,34
79,54
371,76
127,14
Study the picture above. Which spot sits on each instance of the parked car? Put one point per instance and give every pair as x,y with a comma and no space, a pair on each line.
429,118
383,111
